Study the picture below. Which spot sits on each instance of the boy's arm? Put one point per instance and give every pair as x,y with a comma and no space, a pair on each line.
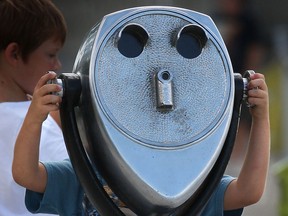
56,116
248,188
26,168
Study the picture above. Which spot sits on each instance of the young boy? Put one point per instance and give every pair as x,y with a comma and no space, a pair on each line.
54,188
32,33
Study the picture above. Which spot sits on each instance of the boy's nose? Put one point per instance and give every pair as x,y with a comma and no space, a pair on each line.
57,65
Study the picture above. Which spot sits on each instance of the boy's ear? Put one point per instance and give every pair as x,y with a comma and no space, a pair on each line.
12,53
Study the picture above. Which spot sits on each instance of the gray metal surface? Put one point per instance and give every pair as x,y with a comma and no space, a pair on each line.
126,92
159,157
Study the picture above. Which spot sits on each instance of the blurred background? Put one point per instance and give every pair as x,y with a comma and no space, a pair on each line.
256,35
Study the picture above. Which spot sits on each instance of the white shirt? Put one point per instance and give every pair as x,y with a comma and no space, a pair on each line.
52,148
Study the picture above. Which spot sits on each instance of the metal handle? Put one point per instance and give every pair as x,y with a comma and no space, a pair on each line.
58,82
246,80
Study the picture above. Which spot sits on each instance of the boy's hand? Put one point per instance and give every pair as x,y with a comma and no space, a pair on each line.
258,97
248,188
43,101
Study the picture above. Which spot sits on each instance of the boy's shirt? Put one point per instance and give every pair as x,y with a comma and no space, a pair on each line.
64,194
52,148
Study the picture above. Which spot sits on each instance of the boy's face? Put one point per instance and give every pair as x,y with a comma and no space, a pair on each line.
40,61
